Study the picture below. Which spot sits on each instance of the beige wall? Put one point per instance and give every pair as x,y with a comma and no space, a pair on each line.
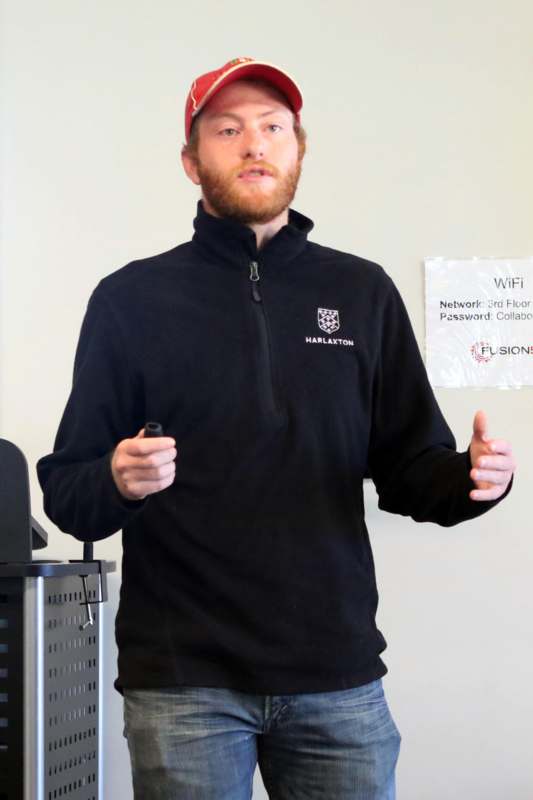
420,124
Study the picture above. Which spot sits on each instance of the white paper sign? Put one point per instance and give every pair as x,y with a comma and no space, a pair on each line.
479,321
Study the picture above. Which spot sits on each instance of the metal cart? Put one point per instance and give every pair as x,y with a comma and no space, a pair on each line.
50,647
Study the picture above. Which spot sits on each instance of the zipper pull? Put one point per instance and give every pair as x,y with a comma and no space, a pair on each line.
254,277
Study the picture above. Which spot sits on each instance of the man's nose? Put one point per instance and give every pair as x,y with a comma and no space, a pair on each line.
253,144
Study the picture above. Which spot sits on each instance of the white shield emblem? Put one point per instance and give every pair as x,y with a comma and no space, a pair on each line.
328,320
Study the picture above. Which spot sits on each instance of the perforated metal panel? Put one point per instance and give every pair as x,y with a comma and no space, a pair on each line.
70,691
49,686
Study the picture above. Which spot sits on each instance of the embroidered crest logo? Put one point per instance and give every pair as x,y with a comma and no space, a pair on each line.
328,320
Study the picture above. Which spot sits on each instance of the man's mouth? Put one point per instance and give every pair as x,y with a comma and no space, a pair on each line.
255,174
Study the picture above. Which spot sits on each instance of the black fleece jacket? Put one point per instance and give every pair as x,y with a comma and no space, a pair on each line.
285,376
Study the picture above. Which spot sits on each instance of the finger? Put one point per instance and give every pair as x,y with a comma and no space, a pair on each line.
142,447
487,494
153,460
169,456
139,474
144,488
126,464
490,476
495,462
480,426
500,446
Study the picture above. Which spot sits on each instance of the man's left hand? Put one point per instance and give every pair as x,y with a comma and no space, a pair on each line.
492,462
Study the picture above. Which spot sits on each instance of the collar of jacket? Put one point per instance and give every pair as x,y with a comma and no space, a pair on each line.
233,243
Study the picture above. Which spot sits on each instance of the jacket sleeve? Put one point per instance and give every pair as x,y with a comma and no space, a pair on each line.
413,459
104,407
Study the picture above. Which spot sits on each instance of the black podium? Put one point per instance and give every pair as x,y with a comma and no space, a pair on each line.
50,649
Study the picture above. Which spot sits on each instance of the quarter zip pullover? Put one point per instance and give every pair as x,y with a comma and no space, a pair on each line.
253,570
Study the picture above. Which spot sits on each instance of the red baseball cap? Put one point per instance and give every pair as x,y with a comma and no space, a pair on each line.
206,86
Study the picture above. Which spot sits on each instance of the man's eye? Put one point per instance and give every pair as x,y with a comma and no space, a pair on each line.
225,131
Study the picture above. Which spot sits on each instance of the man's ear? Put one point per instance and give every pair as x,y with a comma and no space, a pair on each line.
190,167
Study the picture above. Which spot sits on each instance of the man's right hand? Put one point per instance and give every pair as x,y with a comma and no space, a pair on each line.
143,466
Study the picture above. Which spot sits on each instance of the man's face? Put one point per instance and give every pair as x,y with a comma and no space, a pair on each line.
246,126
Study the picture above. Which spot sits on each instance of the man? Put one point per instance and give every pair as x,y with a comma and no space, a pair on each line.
282,372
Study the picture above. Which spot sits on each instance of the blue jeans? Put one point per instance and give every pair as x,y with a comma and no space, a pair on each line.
199,743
